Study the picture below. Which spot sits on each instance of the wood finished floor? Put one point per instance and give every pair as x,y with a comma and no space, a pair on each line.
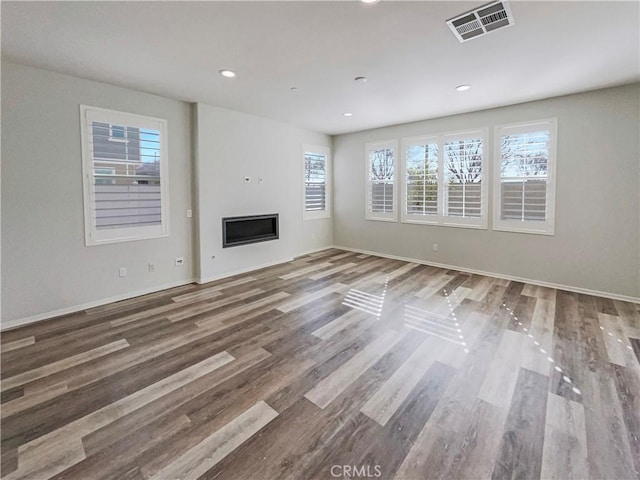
336,360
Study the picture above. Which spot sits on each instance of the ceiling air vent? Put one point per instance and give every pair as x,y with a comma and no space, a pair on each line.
481,21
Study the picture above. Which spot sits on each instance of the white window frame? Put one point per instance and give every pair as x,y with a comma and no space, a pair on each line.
441,219
415,218
481,222
93,236
319,214
533,227
381,216
112,138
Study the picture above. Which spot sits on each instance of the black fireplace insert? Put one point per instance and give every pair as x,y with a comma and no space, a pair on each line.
249,229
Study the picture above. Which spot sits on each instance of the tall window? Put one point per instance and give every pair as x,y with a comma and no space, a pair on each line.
444,180
463,177
421,180
125,181
316,182
381,185
524,177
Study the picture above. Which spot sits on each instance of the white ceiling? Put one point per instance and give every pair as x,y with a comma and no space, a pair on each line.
411,58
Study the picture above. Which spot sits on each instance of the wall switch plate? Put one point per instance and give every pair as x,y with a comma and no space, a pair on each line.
435,247
122,272
189,213
179,261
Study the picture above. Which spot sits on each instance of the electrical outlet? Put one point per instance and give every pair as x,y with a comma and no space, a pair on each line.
435,247
152,267
179,261
122,272
189,213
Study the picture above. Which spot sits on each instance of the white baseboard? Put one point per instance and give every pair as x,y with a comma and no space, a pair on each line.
242,270
76,308
314,250
258,267
84,306
569,288
6,325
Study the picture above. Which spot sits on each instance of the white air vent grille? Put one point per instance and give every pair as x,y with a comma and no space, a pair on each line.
481,21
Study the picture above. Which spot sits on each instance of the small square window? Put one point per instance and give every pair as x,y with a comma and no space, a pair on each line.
117,133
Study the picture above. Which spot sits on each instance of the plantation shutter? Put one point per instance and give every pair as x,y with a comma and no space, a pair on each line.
463,176
315,186
421,179
523,176
124,164
381,178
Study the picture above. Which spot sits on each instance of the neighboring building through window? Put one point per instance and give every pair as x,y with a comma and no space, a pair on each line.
125,181
444,180
381,188
524,193
316,173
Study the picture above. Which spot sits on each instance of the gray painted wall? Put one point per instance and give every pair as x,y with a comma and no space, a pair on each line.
230,146
596,243
45,264
47,268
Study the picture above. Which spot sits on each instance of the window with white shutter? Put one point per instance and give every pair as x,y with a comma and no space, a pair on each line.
422,177
316,182
444,180
125,176
524,177
381,184
464,182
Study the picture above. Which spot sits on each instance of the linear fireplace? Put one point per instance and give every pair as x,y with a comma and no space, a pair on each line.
249,229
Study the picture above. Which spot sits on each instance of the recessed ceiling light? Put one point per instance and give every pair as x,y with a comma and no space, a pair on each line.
463,88
361,79
369,1
227,73
347,114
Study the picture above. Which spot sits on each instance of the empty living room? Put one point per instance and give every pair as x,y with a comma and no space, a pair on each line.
354,239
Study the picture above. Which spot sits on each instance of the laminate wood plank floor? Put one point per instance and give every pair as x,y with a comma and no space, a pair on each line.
334,365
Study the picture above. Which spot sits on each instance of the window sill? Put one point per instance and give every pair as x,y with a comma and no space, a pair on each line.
420,222
464,225
531,231
382,219
90,241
